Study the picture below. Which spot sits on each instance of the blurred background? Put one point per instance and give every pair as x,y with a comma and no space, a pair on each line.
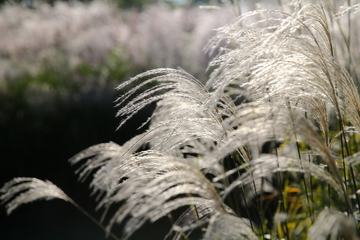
59,65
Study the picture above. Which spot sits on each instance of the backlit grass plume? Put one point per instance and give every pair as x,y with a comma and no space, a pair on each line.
266,149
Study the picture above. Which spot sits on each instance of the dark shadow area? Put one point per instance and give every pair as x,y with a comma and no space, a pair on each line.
38,141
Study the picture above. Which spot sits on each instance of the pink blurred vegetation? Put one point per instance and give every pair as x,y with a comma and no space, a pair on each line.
80,33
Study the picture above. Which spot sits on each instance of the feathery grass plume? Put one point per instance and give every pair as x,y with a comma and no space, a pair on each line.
252,125
203,150
334,225
101,160
266,165
345,27
227,226
24,190
182,118
354,8
287,58
188,221
157,184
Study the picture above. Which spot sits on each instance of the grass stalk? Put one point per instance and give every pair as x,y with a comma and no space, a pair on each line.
108,232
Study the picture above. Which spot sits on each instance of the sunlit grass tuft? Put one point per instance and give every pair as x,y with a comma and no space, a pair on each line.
266,149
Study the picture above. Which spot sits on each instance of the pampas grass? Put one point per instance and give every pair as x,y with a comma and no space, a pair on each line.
277,82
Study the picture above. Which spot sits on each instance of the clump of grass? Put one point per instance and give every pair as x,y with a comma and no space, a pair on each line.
267,148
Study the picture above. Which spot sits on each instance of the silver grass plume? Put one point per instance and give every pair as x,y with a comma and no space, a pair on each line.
229,227
100,162
157,184
287,58
333,224
267,165
354,8
24,190
182,116
285,65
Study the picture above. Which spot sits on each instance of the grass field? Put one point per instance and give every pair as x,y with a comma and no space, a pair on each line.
266,148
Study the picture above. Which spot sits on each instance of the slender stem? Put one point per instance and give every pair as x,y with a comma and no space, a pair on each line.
304,181
247,208
352,175
329,195
93,219
283,207
343,142
303,175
